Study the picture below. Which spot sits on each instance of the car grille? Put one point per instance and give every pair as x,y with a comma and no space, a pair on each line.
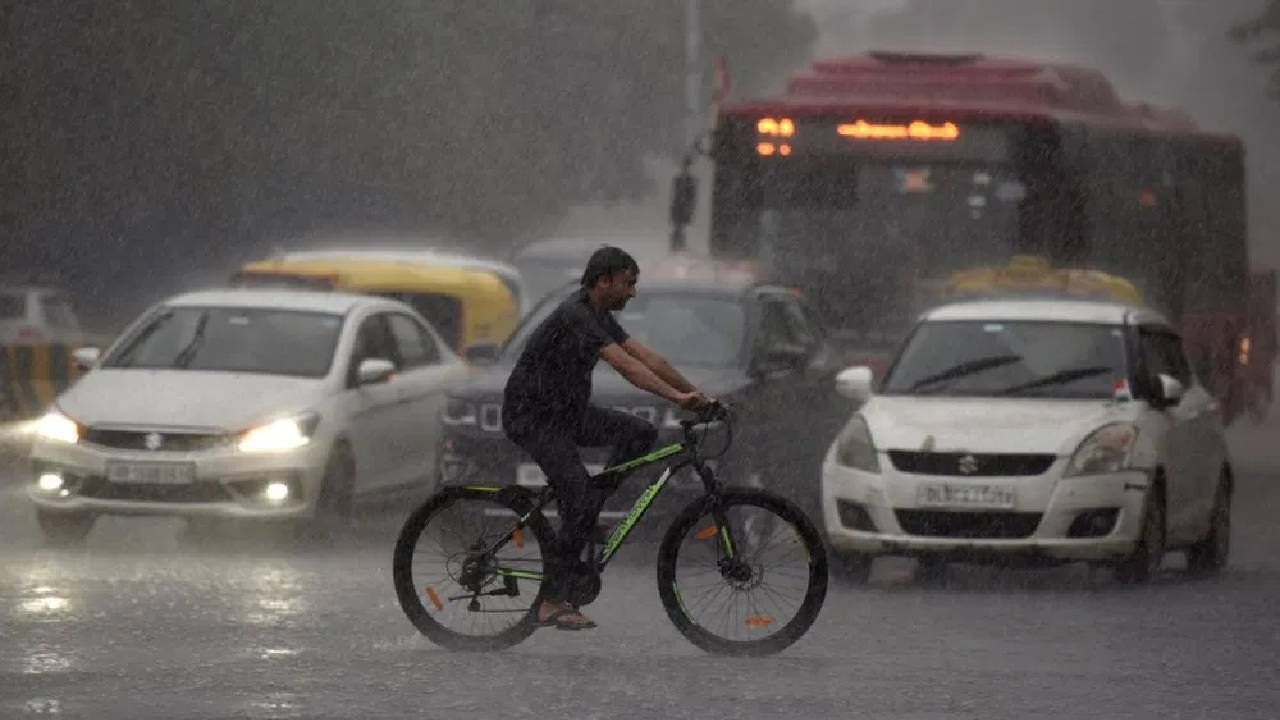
971,464
199,492
490,414
968,525
147,440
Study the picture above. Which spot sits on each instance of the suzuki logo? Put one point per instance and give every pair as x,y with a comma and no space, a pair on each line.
153,441
968,465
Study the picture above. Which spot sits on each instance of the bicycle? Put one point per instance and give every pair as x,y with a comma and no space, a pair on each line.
488,573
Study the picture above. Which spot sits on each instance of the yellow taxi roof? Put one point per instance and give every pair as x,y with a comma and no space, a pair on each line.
380,275
1029,274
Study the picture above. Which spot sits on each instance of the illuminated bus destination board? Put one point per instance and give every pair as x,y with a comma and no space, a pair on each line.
928,140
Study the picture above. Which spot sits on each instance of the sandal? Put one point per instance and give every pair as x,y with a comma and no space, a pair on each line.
556,617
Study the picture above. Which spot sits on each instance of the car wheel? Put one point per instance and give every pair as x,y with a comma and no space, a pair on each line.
65,528
334,503
853,568
1210,554
1145,561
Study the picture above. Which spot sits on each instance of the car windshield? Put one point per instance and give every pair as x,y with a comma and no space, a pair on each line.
685,328
1010,359
246,340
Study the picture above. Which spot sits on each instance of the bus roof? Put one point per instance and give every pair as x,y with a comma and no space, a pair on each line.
970,86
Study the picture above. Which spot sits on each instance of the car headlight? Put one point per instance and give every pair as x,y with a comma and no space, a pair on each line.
279,435
458,412
1107,449
56,427
854,447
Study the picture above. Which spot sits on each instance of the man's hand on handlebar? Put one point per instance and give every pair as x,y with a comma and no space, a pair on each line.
695,401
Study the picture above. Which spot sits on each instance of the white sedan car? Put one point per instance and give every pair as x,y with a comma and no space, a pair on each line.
270,405
1032,430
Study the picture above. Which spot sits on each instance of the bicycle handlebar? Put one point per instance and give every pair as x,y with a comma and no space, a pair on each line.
716,412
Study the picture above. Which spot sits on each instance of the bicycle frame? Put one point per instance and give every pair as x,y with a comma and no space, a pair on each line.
683,458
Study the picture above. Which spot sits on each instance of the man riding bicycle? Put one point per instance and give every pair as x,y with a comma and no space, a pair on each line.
547,412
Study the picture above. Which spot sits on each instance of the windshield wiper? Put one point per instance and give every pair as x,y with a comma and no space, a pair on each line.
968,367
1059,378
124,358
188,353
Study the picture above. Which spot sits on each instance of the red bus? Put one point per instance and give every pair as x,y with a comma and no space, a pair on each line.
872,178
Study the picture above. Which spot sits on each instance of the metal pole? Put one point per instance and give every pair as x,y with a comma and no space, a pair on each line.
692,91
693,68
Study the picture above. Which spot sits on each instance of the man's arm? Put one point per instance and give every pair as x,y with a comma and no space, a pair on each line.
638,374
658,365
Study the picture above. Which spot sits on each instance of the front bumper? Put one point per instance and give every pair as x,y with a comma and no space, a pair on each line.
1052,518
223,482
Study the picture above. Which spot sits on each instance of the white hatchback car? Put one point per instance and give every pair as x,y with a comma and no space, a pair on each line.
1050,431
247,404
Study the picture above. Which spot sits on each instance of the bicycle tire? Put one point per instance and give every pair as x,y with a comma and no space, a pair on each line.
411,601
815,591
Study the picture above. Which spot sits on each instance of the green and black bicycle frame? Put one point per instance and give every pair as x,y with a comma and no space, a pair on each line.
683,456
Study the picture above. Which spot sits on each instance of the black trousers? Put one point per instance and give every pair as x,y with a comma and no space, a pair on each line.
554,447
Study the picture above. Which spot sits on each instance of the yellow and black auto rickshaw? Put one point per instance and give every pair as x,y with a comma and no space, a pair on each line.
472,306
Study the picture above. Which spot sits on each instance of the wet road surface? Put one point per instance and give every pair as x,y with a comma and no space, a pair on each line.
144,623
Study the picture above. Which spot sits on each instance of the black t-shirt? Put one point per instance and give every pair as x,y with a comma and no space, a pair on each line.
551,382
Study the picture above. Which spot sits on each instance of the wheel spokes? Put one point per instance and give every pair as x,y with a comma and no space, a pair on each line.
463,586
756,593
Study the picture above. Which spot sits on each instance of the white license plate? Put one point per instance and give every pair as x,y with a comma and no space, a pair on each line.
148,473
967,496
531,475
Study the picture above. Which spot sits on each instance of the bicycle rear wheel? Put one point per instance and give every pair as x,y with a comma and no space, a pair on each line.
453,586
754,590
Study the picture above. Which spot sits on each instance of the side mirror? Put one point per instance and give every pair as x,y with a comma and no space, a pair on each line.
86,358
684,197
1169,391
483,353
374,370
855,383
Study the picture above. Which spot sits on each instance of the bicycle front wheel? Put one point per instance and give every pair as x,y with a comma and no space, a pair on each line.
467,575
745,577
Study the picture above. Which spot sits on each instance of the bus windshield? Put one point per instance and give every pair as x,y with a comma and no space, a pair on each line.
873,240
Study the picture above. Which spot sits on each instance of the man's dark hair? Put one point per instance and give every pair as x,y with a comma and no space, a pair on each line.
605,262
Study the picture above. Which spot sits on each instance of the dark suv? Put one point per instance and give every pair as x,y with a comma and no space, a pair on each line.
755,346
